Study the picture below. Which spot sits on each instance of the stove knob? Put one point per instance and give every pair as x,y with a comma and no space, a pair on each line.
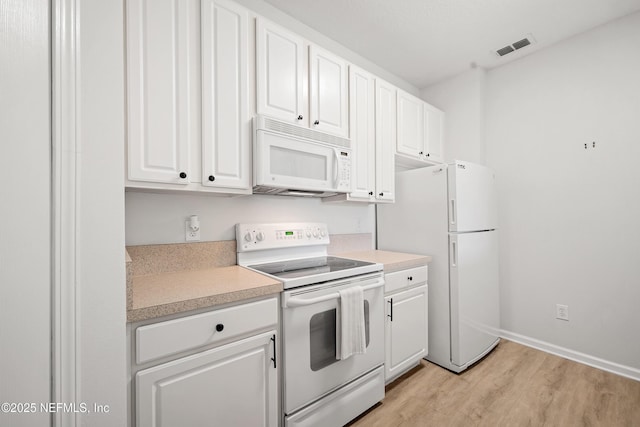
249,236
308,233
260,236
315,233
322,233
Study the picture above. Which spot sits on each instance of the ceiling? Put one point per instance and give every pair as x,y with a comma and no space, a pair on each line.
426,41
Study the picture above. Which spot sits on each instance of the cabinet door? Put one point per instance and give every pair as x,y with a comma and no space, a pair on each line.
406,330
362,132
411,130
434,122
280,74
226,127
385,141
328,92
161,89
232,385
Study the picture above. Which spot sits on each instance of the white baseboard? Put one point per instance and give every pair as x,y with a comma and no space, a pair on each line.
576,356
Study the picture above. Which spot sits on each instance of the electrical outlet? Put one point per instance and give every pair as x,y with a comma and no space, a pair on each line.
191,235
562,312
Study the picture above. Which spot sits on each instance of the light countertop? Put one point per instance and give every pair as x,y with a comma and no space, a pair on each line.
392,261
165,293
162,294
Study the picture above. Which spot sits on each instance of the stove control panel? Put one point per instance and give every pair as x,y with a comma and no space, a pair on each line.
253,237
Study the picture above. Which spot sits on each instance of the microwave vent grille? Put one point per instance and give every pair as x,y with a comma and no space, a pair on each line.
262,189
289,129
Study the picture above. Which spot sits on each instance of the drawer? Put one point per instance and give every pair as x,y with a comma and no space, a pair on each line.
404,278
187,333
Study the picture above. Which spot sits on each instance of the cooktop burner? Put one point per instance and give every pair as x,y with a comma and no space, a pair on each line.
308,266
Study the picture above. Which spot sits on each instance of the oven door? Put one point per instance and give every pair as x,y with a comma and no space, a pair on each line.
311,369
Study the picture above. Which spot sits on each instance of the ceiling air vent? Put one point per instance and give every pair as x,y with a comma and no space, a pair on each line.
516,45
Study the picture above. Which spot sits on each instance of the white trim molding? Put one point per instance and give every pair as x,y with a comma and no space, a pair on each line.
65,171
576,356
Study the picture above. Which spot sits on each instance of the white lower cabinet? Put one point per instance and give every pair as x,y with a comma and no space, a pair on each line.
232,385
406,323
230,379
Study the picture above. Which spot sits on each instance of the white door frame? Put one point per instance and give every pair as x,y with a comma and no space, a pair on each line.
88,358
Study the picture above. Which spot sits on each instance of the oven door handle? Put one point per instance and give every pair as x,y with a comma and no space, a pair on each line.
300,302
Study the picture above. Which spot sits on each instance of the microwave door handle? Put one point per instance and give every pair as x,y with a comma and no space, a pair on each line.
335,168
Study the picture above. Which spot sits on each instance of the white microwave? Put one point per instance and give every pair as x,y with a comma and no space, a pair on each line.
291,160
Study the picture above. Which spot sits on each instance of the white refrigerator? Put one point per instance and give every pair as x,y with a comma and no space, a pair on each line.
449,212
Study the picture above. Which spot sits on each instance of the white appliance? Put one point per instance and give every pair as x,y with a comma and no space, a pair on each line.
319,388
291,160
449,212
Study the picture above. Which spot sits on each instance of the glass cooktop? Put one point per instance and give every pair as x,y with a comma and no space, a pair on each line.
308,266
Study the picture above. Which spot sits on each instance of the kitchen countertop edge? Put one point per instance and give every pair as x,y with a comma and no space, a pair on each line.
254,285
391,260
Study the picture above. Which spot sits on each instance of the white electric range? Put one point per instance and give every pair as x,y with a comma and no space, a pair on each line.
319,388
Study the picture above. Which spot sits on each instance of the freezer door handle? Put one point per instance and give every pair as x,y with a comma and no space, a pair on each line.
454,254
452,214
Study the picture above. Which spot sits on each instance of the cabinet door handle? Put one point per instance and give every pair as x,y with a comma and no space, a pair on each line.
390,315
273,359
219,327
427,154
410,278
371,193
300,117
422,152
212,178
317,122
183,175
381,194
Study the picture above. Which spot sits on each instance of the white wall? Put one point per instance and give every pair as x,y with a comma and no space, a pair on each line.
569,216
462,99
25,223
160,218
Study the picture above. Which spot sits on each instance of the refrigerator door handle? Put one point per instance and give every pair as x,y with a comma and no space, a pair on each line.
452,211
454,254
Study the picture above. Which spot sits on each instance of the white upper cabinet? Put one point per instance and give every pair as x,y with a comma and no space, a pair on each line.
226,127
308,87
281,73
411,130
161,61
363,134
328,92
385,141
188,96
434,122
419,132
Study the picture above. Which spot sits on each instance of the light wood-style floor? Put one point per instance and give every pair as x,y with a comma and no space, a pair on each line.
513,386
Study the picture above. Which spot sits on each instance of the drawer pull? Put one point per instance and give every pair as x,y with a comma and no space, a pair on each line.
219,327
410,278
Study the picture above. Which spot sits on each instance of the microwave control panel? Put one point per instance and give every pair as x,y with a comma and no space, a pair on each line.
344,170
253,237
